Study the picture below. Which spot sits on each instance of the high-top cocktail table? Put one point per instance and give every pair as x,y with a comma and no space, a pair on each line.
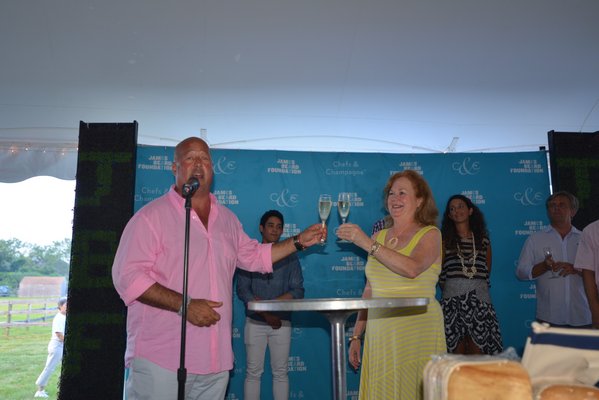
337,310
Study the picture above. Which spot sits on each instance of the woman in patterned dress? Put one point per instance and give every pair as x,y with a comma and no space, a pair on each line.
404,261
471,325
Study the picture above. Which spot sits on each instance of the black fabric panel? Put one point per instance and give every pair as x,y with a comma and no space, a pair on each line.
574,163
92,366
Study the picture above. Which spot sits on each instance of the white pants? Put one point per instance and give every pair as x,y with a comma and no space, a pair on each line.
54,357
257,335
148,381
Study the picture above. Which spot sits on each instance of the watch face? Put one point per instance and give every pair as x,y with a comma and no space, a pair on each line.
297,244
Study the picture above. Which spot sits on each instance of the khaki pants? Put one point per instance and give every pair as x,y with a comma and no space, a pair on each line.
148,381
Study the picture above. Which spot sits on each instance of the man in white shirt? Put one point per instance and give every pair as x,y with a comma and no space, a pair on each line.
548,258
587,260
55,348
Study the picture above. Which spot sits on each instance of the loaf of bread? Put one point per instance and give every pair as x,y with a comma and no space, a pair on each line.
475,378
567,392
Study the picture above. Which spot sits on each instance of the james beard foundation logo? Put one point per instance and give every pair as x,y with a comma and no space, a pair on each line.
529,197
466,167
285,198
222,166
528,166
285,166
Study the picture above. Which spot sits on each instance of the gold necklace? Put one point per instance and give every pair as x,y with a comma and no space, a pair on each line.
468,271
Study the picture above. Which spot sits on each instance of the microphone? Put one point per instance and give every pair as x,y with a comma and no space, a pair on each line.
190,187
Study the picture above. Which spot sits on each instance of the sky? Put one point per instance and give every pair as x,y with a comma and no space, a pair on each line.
38,210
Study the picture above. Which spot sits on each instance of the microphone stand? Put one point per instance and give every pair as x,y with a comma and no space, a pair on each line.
182,371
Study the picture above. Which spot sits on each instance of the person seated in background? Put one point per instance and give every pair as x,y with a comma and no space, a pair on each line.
55,348
587,261
471,325
270,329
548,258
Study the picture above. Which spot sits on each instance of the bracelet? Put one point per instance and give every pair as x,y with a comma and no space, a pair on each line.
376,246
180,312
298,245
355,337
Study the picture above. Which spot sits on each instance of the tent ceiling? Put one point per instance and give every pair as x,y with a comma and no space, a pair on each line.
381,75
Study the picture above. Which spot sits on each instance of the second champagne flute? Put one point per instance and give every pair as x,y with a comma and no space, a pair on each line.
549,260
324,209
343,205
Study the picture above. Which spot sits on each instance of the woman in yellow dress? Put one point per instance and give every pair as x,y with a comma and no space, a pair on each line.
404,261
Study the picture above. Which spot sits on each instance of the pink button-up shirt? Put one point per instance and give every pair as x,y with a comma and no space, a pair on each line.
151,250
587,256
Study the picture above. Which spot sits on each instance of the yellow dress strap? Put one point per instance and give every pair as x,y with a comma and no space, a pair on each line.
381,235
424,230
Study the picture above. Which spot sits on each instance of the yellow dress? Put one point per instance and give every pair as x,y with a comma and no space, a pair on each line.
397,345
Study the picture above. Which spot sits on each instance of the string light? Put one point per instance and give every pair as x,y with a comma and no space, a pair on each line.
62,148
54,159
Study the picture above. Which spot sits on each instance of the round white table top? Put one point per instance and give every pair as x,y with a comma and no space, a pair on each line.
336,304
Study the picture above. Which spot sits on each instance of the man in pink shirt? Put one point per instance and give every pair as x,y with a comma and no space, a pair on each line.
148,275
587,260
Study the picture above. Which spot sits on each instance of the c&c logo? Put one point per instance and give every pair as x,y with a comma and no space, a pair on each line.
466,167
224,167
285,199
529,197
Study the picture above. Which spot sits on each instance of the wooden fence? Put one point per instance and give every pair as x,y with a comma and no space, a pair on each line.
29,312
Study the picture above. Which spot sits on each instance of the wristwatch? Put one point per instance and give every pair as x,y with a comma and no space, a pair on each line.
297,243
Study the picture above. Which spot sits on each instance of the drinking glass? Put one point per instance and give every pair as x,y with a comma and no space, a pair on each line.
324,209
549,259
343,205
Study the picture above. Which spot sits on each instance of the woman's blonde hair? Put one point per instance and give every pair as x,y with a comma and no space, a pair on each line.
427,212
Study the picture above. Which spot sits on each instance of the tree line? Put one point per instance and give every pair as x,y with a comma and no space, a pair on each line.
19,259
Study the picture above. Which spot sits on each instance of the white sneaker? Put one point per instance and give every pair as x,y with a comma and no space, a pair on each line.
41,393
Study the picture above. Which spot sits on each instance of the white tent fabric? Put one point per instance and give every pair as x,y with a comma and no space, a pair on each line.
21,160
497,75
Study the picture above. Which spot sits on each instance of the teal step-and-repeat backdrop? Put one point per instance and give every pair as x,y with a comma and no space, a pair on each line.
510,189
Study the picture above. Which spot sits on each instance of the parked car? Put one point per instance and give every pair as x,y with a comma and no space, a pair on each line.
4,291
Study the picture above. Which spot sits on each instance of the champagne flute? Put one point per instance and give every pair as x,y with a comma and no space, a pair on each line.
343,205
324,209
549,260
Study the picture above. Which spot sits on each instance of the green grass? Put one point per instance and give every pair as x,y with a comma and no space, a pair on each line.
23,353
